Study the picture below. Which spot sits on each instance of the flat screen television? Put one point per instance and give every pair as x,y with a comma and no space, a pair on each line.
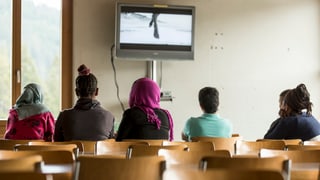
154,32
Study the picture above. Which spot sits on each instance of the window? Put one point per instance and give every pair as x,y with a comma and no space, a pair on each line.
35,46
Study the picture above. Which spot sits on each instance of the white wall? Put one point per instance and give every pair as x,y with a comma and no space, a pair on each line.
268,46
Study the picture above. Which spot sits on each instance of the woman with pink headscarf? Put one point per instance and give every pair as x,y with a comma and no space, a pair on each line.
145,119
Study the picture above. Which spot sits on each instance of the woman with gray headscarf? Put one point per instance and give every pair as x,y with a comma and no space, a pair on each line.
30,118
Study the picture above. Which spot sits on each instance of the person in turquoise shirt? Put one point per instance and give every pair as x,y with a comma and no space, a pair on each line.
209,124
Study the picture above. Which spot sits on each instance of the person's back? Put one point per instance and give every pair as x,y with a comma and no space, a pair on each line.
30,118
135,125
145,119
87,120
209,124
296,121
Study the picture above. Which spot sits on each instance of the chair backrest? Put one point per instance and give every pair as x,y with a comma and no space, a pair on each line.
293,155
220,143
278,163
89,146
302,147
305,163
149,141
21,164
189,158
8,144
253,147
221,174
24,176
108,167
309,143
114,148
77,143
286,141
64,171
49,157
193,146
63,147
137,150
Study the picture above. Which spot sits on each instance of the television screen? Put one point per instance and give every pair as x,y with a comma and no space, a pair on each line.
152,32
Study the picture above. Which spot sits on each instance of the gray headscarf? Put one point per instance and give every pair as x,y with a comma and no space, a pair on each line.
30,102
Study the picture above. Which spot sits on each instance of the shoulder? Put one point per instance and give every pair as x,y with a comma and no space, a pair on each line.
133,110
13,112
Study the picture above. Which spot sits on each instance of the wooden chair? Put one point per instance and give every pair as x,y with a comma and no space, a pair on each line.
24,176
21,164
8,144
157,142
109,167
302,147
60,163
286,141
220,143
49,157
193,146
311,143
64,147
221,174
69,171
305,163
253,147
77,143
89,146
187,159
293,155
114,148
137,150
279,163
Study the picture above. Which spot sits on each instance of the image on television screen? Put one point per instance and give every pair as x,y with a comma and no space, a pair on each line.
155,28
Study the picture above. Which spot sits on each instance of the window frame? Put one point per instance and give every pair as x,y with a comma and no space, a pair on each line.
66,51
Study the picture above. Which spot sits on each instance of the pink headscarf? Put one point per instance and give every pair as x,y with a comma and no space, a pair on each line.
145,94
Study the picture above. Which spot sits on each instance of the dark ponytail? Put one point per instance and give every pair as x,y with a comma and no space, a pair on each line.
298,99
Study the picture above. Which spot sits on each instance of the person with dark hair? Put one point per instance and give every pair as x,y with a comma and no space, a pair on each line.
281,102
145,119
281,108
30,118
296,120
87,120
209,124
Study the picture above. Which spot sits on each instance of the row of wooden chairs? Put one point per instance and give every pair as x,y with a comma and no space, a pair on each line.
168,154
34,165
235,145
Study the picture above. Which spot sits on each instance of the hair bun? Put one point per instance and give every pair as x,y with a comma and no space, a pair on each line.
83,70
302,92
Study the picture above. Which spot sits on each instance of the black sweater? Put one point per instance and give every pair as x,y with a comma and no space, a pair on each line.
135,125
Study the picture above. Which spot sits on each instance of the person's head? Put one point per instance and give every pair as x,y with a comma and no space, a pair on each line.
209,99
296,100
144,92
282,96
86,83
32,94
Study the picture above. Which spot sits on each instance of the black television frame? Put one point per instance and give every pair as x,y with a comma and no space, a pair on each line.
153,52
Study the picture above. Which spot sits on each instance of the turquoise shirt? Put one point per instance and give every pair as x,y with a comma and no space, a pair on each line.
210,125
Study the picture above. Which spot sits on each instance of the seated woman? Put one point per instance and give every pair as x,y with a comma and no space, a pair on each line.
30,118
145,119
87,120
296,120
